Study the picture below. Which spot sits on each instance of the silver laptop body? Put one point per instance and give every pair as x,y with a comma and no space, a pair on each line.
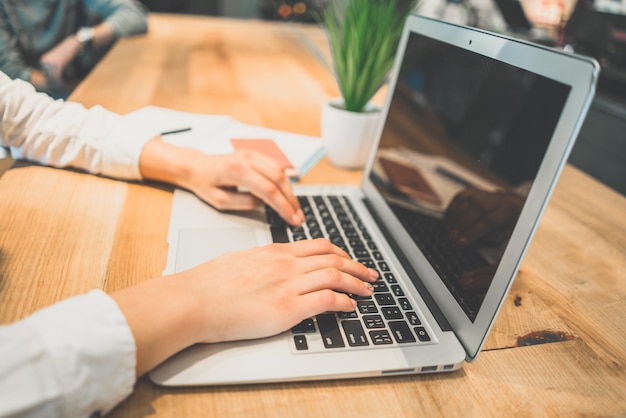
467,113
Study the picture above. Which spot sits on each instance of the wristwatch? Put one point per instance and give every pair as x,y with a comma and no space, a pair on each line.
85,36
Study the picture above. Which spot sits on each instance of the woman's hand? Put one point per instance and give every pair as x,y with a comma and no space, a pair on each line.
267,290
475,215
244,180
238,181
241,295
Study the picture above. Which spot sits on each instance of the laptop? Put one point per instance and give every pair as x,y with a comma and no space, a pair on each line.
470,118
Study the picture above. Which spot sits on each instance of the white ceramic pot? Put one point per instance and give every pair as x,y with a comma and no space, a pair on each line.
348,136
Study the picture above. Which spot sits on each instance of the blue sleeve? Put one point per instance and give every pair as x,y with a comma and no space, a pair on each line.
11,62
126,17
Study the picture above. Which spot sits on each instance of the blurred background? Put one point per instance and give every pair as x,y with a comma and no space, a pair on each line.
595,28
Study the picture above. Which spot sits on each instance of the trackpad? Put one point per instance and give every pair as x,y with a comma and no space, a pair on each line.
198,245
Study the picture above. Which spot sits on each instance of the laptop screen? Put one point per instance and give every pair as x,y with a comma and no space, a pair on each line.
461,145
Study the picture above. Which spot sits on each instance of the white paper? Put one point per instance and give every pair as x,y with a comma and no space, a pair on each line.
211,134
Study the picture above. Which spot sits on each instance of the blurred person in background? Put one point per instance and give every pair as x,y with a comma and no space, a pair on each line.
53,44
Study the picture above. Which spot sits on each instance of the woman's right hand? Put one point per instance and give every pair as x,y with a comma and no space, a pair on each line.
241,295
267,290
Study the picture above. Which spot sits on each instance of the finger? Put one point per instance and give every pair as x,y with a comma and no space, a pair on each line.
476,230
276,173
455,211
459,226
336,280
268,181
458,201
331,261
484,226
231,199
315,303
318,246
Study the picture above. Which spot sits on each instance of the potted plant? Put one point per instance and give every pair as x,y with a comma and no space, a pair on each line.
363,36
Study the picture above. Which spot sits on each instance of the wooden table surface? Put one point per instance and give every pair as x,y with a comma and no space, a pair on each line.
63,232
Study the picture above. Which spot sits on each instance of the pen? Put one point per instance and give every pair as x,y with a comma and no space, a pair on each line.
175,131
453,176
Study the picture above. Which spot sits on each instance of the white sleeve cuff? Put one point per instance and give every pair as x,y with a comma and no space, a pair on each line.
92,350
122,147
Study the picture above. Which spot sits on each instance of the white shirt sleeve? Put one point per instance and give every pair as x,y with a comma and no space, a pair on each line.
73,359
64,134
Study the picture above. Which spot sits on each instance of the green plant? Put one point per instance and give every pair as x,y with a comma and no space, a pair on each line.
363,37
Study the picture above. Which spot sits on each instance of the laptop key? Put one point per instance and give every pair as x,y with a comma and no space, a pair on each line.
422,334
401,332
390,278
354,333
331,335
397,290
380,337
405,304
306,326
349,315
413,318
380,286
373,321
367,262
367,306
384,299
300,342
391,312
279,235
361,253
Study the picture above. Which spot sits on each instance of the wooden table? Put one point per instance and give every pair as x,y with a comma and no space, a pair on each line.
64,232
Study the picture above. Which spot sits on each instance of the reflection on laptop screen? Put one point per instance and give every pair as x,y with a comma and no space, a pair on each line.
463,141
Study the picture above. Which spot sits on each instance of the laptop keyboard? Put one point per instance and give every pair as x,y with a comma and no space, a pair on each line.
447,258
385,319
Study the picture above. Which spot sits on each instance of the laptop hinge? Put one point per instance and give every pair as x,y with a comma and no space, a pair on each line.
417,281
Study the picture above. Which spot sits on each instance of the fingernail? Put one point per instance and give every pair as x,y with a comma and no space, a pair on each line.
373,273
353,303
296,219
369,287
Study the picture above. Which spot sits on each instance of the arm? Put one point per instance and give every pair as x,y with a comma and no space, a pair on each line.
58,58
124,17
65,134
120,18
11,62
290,282
84,353
216,178
69,359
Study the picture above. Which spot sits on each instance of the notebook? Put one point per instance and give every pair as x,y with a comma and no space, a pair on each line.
485,123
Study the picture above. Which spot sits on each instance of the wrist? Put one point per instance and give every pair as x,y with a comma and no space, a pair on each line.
168,163
160,315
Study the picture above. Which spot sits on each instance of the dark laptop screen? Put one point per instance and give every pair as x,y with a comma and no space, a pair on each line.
462,143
